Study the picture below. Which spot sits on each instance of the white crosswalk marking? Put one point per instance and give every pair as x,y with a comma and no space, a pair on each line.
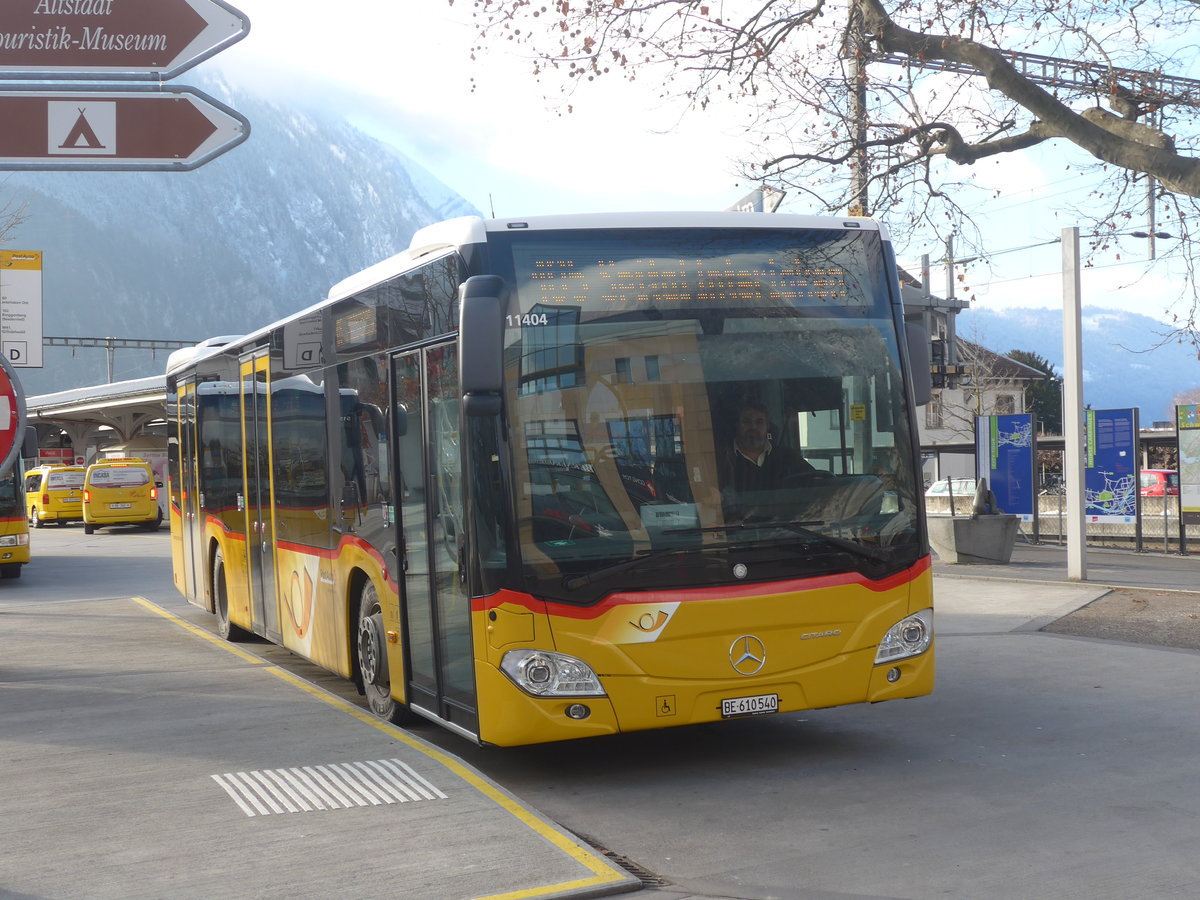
332,786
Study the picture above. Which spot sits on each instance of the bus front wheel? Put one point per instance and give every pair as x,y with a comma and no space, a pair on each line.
371,653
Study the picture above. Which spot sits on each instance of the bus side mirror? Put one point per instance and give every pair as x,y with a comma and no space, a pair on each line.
481,344
918,362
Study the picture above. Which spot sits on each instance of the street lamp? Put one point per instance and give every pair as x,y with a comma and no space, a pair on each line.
1151,235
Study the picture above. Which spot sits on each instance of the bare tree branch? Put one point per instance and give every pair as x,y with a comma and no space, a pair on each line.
822,91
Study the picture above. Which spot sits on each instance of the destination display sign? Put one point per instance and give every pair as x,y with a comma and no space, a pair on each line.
113,39
748,270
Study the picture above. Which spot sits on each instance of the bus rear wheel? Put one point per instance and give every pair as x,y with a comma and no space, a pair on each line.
220,592
371,656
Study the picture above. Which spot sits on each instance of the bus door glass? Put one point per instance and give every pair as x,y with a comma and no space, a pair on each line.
260,539
436,606
186,495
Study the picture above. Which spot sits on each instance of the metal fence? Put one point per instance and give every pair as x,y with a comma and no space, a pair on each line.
1156,527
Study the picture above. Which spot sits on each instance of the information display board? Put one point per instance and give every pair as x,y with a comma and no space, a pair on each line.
1110,477
21,307
1187,420
1004,454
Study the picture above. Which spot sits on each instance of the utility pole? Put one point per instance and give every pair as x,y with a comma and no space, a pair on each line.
856,52
1073,437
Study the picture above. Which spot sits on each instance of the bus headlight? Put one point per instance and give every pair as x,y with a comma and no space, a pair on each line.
546,674
910,636
14,540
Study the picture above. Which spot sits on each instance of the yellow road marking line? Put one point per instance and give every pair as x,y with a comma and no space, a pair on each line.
603,871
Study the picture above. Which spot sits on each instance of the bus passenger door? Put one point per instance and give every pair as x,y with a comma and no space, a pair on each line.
436,608
185,498
260,537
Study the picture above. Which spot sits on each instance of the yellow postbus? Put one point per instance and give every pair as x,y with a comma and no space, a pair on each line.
54,494
550,478
120,491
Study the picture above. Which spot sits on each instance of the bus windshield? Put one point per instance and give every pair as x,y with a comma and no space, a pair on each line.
12,495
691,407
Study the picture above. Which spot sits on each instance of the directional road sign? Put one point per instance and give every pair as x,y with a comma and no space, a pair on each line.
133,128
113,39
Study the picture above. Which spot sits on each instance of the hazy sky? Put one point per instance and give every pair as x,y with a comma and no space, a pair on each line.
479,125
486,130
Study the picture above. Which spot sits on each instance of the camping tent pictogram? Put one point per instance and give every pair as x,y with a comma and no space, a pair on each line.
82,135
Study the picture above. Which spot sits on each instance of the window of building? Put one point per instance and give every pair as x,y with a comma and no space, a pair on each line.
933,411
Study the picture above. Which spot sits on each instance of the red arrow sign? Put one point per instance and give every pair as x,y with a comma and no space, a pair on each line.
150,39
175,129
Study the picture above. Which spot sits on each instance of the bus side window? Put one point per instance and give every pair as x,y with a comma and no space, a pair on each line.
362,397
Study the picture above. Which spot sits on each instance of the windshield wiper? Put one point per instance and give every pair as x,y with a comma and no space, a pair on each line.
877,554
574,582
742,526
801,527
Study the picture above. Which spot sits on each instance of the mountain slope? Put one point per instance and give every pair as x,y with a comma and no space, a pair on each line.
1122,366
254,235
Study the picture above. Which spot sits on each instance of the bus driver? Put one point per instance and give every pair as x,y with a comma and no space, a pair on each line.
754,463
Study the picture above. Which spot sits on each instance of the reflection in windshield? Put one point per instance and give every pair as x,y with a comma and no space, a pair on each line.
643,453
665,431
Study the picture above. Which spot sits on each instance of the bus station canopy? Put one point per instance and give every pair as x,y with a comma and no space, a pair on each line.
125,407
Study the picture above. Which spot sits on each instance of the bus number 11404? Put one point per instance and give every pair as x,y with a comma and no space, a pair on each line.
525,319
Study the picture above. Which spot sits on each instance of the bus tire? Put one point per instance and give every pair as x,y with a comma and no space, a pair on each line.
88,528
370,654
220,591
10,570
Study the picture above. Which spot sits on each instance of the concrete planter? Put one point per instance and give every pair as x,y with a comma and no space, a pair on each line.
984,539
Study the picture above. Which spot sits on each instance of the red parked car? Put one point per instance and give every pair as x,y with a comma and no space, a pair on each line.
1159,483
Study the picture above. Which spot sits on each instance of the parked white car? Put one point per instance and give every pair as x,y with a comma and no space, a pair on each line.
962,487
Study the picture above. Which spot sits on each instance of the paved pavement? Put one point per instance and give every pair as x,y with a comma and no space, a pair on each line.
1005,842
1103,568
143,757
